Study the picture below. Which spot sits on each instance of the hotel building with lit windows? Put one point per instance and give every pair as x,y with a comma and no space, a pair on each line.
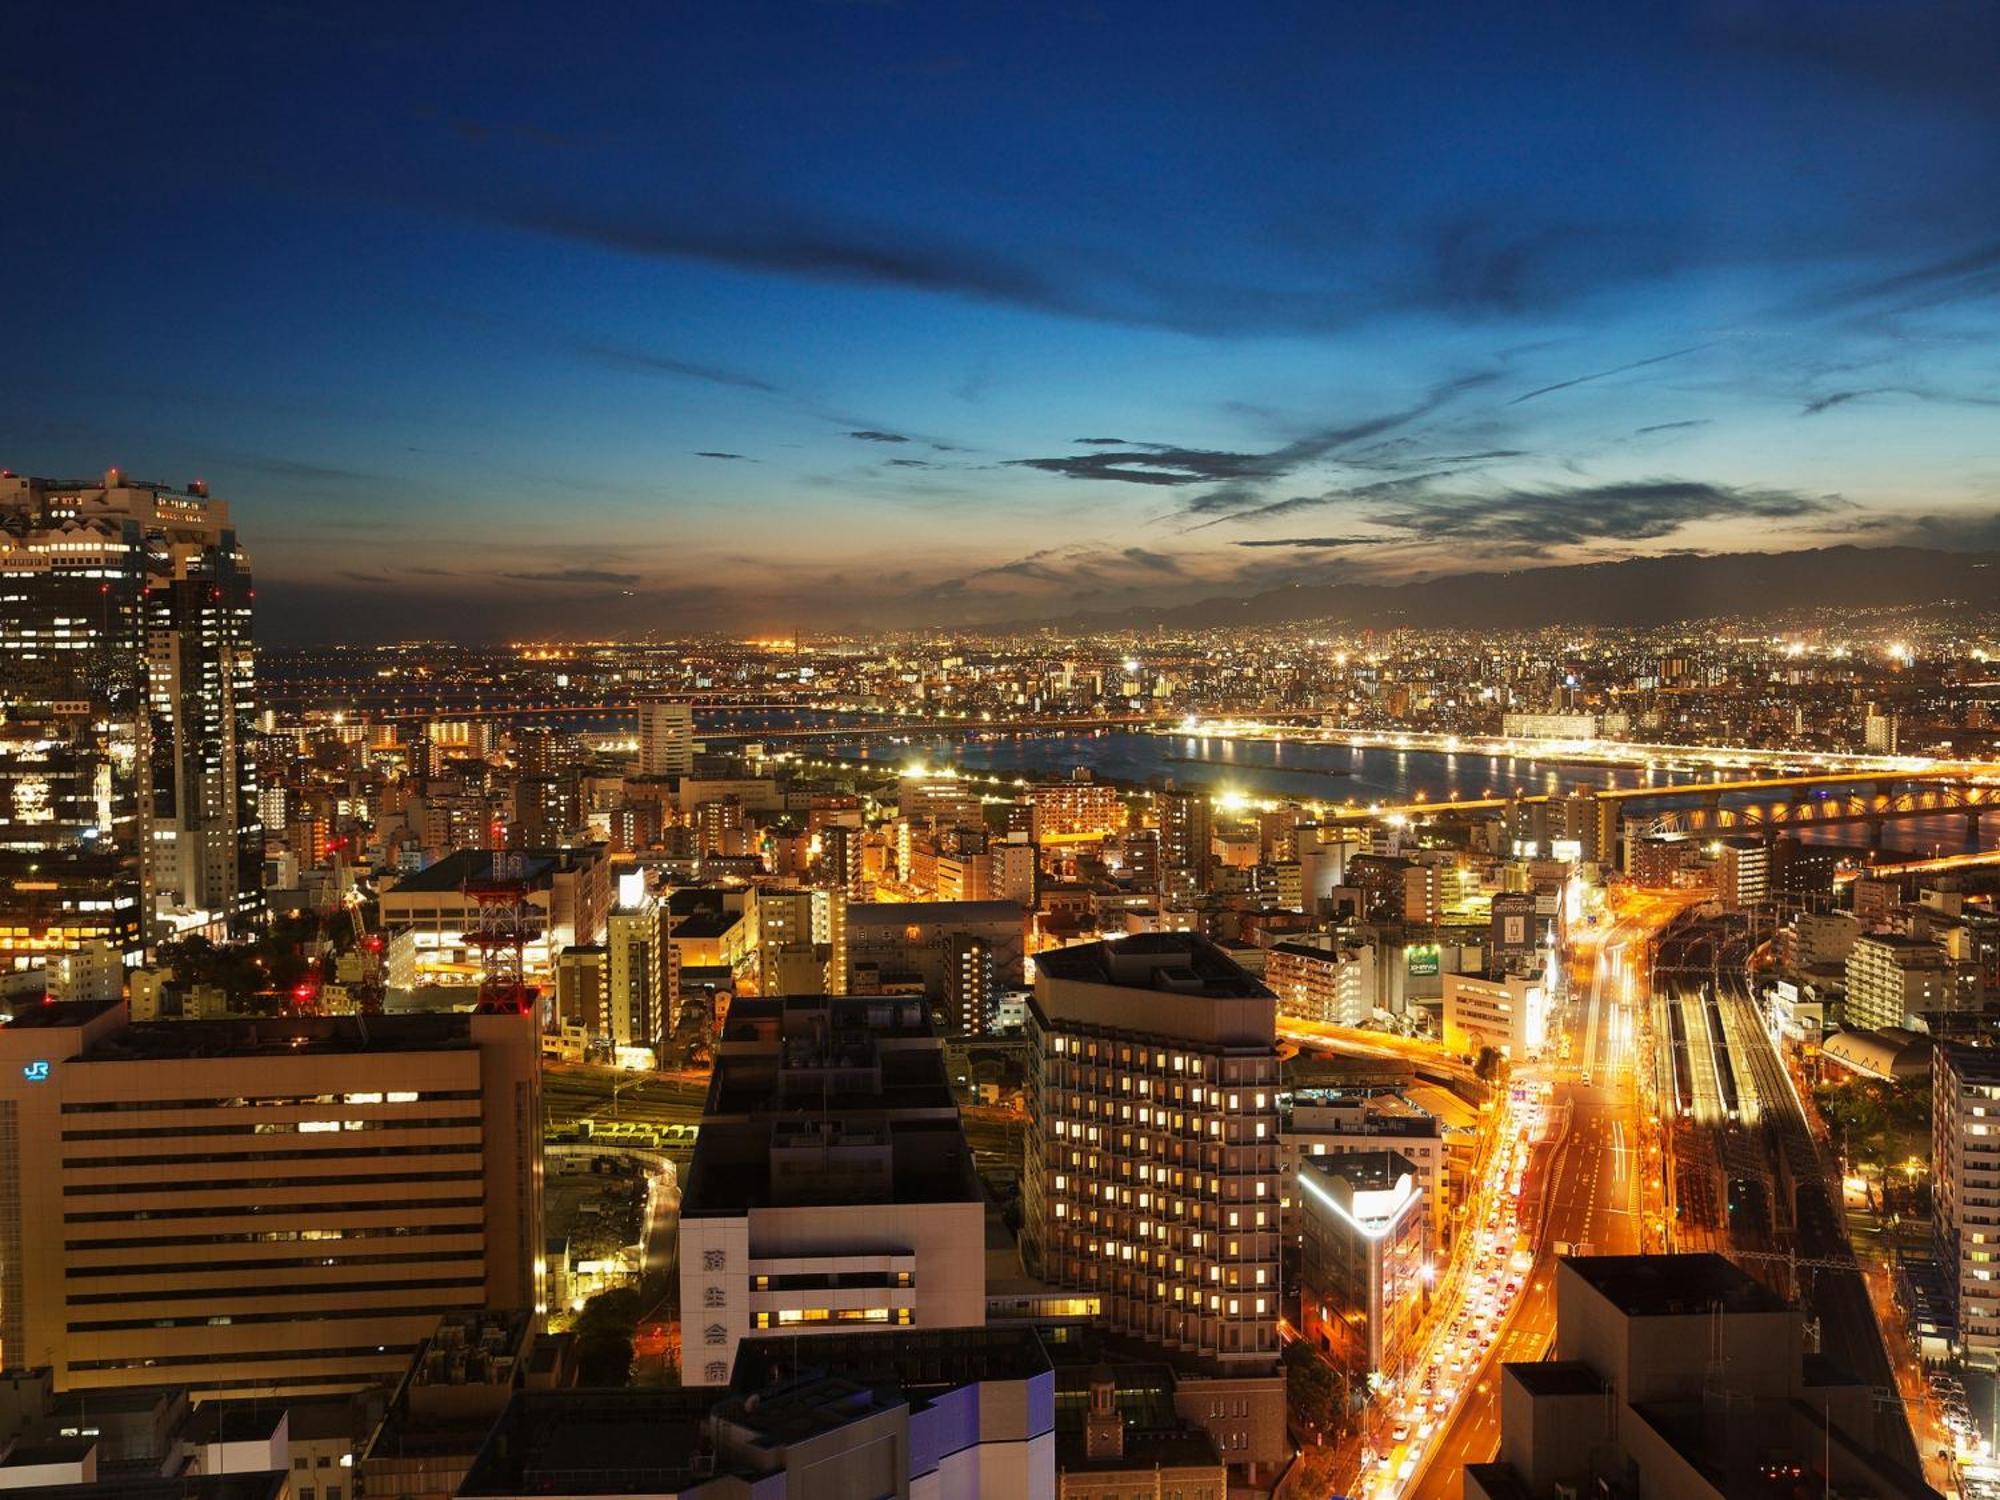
831,1188
1152,1166
260,1206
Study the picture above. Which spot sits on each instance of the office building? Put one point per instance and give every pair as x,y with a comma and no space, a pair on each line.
1506,1012
1681,1375
261,1206
641,974
1893,980
1152,1163
1513,927
831,1186
128,787
666,738
1364,1260
961,1414
1321,1124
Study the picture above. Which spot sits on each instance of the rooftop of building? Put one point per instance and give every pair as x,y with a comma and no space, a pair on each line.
1734,1446
928,913
1364,1171
1648,1286
1145,1450
248,1421
917,1361
1499,1481
591,1442
283,1036
53,1014
472,1348
1312,950
182,1487
595,1442
462,867
704,924
1381,1111
1181,962
770,1163
792,1412
107,1400
1556,1377
1975,1064
56,1450
1902,943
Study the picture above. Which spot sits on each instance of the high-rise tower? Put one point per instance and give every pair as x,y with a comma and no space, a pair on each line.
128,795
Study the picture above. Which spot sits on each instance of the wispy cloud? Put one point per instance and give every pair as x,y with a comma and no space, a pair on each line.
647,362
1628,511
576,575
1313,542
1624,369
876,435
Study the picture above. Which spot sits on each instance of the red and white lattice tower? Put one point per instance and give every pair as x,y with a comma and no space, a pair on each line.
503,924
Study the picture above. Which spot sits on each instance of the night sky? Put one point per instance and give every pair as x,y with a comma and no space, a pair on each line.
535,321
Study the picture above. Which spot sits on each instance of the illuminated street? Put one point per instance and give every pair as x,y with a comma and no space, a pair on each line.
1589,1191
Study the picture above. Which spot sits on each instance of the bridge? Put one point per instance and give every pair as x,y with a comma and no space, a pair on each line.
1981,779
1930,797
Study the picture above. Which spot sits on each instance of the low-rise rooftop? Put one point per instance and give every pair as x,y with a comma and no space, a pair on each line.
1181,962
1650,1286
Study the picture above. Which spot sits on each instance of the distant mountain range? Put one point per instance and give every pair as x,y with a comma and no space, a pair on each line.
1639,591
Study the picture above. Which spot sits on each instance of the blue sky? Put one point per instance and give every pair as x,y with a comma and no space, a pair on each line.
541,320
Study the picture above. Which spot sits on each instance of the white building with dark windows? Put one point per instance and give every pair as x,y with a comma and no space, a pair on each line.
831,1188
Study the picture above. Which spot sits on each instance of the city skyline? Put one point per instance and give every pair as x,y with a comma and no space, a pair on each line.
864,315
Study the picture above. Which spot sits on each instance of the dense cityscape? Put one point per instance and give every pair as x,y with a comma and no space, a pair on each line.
1277,1062
1065,750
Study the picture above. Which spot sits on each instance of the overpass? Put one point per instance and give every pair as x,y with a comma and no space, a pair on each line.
1973,777
1931,797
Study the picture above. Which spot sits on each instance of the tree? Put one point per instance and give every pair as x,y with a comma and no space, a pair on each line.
1312,1389
604,1337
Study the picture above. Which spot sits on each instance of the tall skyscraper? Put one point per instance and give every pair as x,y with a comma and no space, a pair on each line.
1152,1163
128,790
666,738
